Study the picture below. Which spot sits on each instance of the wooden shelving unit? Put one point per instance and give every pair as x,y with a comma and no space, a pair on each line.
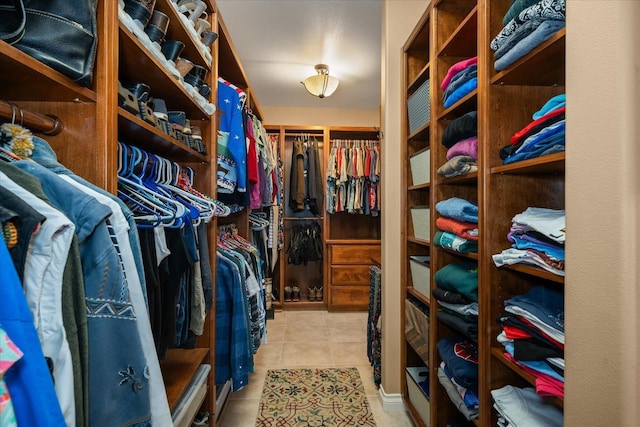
451,31
94,124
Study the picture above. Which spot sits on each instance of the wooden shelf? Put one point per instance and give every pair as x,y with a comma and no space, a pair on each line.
134,131
458,43
470,255
423,76
470,178
138,65
422,133
498,353
353,241
533,69
466,104
418,295
45,84
419,241
552,163
536,272
180,32
178,369
419,187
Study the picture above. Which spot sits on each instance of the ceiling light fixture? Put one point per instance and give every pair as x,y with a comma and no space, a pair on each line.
323,84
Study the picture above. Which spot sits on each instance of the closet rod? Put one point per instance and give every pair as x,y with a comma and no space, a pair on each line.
303,134
48,125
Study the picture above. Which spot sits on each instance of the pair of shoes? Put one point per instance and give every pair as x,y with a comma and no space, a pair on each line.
315,294
295,293
287,293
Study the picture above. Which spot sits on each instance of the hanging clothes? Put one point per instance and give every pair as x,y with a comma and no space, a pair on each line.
103,294
240,307
305,244
353,175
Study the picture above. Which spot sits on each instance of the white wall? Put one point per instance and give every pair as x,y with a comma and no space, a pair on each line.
602,203
320,116
398,20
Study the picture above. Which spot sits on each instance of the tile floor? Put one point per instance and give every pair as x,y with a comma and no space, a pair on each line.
310,339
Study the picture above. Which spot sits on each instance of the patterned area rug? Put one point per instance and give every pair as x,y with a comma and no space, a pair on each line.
330,397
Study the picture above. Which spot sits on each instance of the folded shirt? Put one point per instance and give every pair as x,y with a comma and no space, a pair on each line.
458,165
516,7
552,104
466,230
465,327
465,147
513,256
465,88
546,9
460,78
461,278
455,69
548,222
447,240
454,395
530,42
544,302
461,357
460,128
450,296
523,407
523,31
459,209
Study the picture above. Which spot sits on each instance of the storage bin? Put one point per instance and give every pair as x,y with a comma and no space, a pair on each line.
421,218
419,107
416,329
420,273
417,396
421,166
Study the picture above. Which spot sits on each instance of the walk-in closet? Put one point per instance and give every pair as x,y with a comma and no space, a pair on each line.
242,213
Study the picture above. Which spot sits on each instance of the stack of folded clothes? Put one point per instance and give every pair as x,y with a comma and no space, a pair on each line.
457,294
543,136
527,24
523,407
537,236
533,337
457,225
458,374
461,79
461,140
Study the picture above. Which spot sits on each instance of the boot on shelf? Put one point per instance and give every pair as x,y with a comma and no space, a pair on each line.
295,293
311,294
287,293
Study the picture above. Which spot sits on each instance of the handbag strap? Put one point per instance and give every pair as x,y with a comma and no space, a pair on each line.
16,35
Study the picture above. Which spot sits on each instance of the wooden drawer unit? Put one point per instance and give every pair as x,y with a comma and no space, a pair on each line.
348,275
353,254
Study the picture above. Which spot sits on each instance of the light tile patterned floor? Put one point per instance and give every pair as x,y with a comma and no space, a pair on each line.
310,339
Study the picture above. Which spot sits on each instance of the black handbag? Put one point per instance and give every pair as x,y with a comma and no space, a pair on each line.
59,33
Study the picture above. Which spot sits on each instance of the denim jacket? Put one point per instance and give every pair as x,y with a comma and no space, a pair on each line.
118,385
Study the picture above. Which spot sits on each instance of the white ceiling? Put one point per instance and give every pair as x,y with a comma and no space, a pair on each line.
280,41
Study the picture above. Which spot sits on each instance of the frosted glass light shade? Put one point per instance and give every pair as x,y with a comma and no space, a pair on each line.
323,84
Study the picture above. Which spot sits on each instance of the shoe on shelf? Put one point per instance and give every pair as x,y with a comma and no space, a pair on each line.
287,293
319,295
295,293
311,294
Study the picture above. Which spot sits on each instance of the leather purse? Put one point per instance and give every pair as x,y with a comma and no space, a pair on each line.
59,33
